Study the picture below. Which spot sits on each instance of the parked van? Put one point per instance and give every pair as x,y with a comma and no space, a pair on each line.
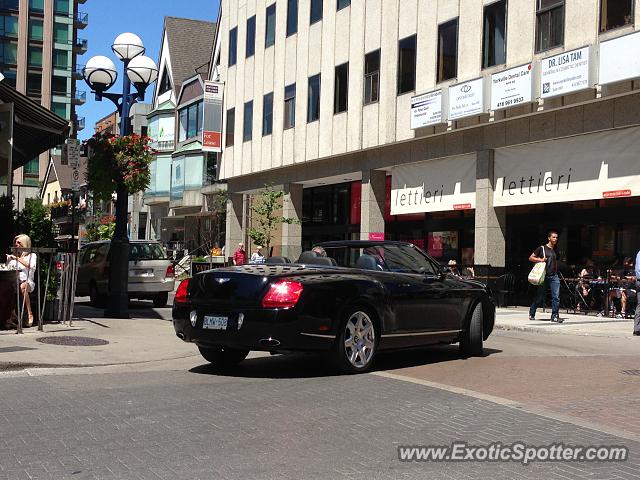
151,274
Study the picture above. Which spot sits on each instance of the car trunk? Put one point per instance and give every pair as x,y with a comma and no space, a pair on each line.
238,287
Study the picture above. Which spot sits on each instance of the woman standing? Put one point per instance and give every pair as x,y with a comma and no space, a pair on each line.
26,263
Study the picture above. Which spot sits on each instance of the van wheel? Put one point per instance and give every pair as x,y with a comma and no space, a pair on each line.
471,342
97,300
160,300
223,356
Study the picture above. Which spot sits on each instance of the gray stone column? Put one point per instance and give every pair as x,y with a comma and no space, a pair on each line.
490,221
234,233
292,233
372,202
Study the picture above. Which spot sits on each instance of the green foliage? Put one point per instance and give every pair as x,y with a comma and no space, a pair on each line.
101,228
116,162
267,217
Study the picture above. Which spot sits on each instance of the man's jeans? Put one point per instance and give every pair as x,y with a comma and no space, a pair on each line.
636,323
554,282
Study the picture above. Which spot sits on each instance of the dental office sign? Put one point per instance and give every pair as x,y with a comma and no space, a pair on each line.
434,186
511,87
466,99
565,73
600,165
426,109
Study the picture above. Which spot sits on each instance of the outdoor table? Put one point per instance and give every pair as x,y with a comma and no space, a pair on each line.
8,282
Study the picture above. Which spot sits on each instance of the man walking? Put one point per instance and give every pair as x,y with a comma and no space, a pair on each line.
547,253
240,256
636,323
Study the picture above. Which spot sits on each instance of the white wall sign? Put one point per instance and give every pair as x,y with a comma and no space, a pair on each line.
565,73
434,186
585,167
620,59
73,152
466,99
426,109
511,87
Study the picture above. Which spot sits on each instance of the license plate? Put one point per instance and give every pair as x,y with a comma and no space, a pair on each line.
141,273
215,323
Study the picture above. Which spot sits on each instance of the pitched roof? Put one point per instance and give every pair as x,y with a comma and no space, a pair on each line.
190,44
63,173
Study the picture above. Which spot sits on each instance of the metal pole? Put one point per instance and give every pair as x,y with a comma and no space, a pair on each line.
37,290
119,249
74,279
19,322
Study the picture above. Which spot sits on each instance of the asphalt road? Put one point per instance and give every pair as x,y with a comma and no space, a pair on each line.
293,417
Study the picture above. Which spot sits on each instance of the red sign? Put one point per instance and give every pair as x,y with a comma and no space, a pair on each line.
617,193
376,236
211,139
462,206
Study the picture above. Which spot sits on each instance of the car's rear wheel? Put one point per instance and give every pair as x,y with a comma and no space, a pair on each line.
357,342
96,299
223,356
160,300
471,342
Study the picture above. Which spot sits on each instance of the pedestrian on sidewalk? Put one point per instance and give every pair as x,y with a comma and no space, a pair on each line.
547,253
26,262
636,322
240,256
257,256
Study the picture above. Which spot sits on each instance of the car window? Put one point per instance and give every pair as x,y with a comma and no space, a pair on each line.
405,259
99,253
83,255
146,251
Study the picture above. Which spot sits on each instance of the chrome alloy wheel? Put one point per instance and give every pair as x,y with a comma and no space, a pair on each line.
359,339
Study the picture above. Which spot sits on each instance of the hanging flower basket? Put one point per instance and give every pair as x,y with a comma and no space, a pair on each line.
116,162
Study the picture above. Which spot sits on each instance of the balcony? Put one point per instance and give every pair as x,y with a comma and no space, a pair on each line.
80,124
82,1
79,97
81,46
81,20
163,145
77,73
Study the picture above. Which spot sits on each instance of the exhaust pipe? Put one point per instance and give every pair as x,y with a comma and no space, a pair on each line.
180,335
269,342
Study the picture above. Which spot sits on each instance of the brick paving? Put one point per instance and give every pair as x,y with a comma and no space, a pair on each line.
305,423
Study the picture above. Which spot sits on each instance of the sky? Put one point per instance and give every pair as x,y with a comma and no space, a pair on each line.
145,18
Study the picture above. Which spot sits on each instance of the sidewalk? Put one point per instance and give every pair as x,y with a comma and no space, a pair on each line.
136,340
517,318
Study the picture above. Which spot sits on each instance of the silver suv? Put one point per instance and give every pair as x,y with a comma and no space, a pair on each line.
151,274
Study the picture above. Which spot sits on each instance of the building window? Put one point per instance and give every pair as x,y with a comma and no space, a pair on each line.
190,121
447,50
251,37
36,30
165,83
615,13
316,11
35,56
9,26
267,114
313,103
494,40
341,90
372,76
61,7
342,4
59,109
10,77
61,33
230,128
292,17
290,106
59,85
31,171
247,121
61,59
549,24
8,53
36,6
270,31
233,46
407,64
34,84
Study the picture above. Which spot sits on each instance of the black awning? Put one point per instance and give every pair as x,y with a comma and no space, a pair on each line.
35,129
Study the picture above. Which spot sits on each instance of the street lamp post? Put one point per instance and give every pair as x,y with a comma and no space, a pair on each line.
100,74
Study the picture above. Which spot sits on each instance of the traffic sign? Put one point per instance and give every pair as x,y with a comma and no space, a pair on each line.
75,180
73,152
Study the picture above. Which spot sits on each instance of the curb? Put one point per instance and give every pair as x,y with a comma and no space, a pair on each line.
554,331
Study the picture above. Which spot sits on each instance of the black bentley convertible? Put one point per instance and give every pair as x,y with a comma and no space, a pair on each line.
351,299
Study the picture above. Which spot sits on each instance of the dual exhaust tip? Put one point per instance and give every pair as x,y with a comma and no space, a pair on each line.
267,342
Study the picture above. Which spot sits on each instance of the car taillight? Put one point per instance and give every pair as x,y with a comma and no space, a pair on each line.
282,294
170,271
182,294
59,265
